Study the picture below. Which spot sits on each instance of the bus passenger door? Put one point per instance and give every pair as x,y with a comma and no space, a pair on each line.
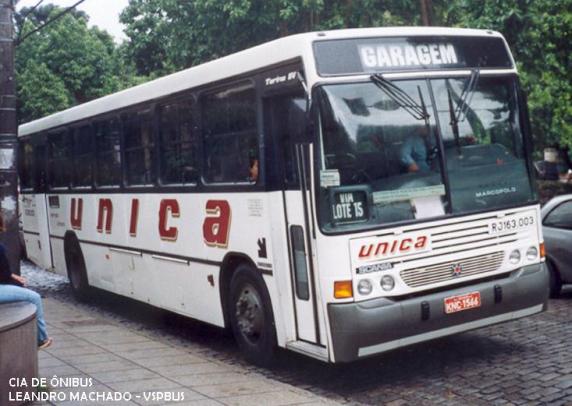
286,123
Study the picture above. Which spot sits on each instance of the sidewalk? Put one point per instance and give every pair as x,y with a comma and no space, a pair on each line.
119,359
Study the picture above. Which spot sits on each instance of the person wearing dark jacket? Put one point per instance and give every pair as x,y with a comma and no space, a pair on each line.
12,290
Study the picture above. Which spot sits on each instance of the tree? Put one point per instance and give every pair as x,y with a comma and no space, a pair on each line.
41,92
65,64
538,32
168,35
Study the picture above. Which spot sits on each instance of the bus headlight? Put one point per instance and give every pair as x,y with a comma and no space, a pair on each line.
514,257
364,287
531,253
387,283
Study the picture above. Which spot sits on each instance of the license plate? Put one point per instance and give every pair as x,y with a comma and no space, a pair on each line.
511,224
459,303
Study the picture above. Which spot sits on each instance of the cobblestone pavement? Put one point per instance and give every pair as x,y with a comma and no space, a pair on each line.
528,361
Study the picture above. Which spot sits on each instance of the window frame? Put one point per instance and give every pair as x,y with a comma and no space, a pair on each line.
97,153
50,160
124,117
195,138
551,212
31,186
249,83
90,156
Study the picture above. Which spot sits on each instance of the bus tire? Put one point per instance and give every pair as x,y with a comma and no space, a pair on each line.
251,318
75,264
555,282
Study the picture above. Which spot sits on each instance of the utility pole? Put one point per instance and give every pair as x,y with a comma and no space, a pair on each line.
9,227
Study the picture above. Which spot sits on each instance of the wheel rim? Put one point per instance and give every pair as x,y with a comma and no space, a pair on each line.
249,314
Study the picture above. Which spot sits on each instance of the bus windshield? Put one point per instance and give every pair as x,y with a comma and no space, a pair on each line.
381,163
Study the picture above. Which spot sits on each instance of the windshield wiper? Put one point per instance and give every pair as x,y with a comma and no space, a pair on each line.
398,95
454,123
462,106
467,96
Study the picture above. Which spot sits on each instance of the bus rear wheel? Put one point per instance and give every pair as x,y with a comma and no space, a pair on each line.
250,315
77,273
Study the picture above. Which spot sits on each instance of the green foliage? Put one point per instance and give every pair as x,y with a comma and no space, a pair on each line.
168,35
538,32
40,91
64,64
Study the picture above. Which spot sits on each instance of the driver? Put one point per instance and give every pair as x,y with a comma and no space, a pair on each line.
414,152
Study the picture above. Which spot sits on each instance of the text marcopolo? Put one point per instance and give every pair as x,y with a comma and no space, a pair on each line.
380,56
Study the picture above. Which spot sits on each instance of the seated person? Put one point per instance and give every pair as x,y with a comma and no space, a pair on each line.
12,290
253,170
414,154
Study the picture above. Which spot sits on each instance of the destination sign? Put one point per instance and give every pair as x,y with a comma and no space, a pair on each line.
381,56
365,55
350,206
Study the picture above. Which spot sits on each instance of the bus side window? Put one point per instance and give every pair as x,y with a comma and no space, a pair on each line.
178,152
59,155
26,170
286,123
230,136
139,148
108,159
82,173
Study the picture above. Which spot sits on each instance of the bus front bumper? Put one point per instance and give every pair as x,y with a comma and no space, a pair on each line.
379,325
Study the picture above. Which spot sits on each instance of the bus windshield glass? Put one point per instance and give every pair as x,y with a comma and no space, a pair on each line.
382,163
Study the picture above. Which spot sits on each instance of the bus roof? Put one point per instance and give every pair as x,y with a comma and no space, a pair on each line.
298,46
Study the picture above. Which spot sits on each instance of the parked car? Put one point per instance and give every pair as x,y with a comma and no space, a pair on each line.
557,228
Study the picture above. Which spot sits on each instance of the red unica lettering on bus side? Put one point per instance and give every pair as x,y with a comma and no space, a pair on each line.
165,232
105,210
134,217
76,213
216,226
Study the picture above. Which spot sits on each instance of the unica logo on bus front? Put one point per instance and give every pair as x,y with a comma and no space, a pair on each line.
381,248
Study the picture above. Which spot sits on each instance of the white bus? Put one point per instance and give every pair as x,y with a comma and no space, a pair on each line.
339,194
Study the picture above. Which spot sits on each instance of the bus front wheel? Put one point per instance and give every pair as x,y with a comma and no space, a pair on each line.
250,315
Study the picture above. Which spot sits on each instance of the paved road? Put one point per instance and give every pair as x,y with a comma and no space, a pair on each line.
528,361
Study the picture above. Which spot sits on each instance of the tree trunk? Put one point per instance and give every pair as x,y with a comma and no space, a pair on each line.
426,12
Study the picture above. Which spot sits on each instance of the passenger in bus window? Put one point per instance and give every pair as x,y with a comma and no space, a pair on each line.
12,290
253,170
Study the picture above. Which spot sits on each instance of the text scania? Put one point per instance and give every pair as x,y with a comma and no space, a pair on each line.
391,248
380,56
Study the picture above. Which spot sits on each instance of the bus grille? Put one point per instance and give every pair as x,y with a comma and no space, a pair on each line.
446,271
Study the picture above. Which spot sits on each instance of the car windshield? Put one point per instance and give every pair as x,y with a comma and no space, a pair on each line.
380,163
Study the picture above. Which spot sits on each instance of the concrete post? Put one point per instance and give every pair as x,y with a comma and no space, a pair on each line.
9,236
